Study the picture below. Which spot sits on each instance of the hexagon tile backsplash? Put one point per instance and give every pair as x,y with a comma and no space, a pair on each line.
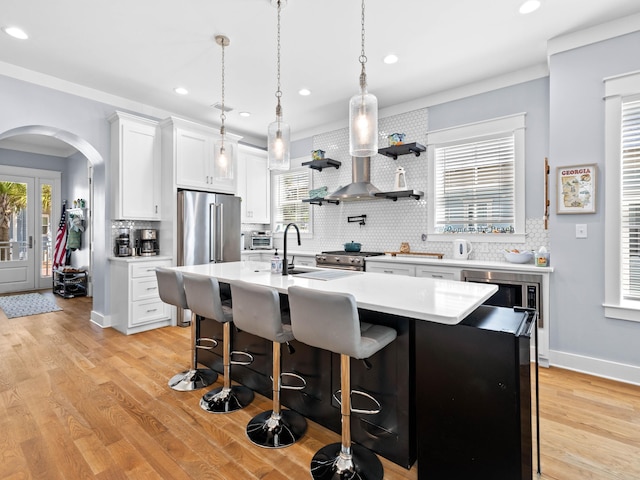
389,223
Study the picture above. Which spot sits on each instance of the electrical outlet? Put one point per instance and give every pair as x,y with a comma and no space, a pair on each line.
581,230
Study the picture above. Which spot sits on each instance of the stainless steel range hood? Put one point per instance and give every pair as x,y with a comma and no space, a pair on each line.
360,187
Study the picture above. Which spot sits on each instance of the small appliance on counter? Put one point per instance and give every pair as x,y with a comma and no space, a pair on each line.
261,240
461,249
147,242
122,247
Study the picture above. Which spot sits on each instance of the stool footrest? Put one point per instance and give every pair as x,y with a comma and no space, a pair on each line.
378,409
302,386
249,357
214,343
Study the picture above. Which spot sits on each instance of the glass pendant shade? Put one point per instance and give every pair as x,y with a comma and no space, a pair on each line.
224,160
363,125
278,144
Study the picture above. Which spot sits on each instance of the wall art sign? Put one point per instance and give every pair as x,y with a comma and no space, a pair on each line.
576,189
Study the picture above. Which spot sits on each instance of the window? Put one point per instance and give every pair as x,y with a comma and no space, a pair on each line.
630,207
290,188
622,197
477,183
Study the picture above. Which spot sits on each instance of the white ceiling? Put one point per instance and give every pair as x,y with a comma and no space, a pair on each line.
140,50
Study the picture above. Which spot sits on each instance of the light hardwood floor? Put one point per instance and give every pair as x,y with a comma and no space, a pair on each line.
77,401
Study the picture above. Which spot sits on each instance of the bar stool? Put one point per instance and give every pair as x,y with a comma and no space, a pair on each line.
330,321
256,310
171,290
203,298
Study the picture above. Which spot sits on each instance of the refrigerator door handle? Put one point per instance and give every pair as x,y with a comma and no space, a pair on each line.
215,232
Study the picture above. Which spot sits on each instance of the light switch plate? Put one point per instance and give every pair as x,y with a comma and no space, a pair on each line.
581,230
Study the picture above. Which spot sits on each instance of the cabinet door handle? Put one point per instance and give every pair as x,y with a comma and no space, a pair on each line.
156,208
388,271
152,310
152,288
437,276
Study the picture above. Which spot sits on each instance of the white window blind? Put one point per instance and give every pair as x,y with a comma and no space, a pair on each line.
291,188
630,205
475,185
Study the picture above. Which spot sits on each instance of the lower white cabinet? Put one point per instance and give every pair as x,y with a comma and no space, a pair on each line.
392,268
135,301
304,260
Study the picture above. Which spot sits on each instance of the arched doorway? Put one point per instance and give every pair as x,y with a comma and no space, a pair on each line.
44,137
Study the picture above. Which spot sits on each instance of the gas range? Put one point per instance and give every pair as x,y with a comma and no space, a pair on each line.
344,260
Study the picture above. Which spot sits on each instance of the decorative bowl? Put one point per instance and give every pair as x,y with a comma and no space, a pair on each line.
317,154
518,257
352,247
396,139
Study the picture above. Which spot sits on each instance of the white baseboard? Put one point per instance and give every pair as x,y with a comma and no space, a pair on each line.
595,366
100,320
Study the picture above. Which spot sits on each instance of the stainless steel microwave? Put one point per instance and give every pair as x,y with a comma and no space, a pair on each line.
261,240
514,289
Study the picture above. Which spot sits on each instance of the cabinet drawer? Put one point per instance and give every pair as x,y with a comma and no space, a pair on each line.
146,311
146,269
439,272
393,269
144,288
306,261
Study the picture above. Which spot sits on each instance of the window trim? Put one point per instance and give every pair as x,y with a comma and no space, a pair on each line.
274,199
617,90
508,124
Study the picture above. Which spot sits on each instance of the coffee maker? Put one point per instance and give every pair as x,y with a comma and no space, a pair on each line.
122,246
147,242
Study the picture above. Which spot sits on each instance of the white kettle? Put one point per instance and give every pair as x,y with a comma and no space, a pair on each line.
461,249
401,181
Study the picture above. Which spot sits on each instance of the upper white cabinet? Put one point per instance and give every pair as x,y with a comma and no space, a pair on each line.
189,146
254,185
135,167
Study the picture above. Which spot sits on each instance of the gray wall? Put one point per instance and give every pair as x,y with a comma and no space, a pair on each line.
577,137
531,98
25,104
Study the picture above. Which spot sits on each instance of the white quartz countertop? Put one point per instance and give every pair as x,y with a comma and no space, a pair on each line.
436,300
422,260
132,259
473,264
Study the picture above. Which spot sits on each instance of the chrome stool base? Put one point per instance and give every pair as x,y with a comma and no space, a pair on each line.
276,431
226,400
330,464
190,380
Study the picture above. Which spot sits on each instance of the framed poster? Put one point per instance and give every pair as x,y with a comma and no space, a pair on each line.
576,186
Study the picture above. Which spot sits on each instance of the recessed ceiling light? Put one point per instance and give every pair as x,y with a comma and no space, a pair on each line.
390,59
181,90
16,32
304,92
244,114
529,6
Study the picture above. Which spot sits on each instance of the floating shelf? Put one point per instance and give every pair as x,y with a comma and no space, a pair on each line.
320,201
396,150
320,164
416,194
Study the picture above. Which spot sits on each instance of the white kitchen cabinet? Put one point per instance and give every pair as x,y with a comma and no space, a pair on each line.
392,268
189,147
254,185
437,272
135,168
135,302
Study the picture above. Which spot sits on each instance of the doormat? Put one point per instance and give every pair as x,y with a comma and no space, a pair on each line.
27,304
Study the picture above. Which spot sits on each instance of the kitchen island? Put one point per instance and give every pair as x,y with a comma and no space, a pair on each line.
393,375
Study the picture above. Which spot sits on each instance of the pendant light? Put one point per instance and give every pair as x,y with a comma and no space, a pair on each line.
278,134
363,113
224,153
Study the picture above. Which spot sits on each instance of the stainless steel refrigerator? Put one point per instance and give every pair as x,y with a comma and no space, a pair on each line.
208,230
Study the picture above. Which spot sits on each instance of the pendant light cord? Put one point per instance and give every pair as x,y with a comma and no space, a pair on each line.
222,115
278,91
363,57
